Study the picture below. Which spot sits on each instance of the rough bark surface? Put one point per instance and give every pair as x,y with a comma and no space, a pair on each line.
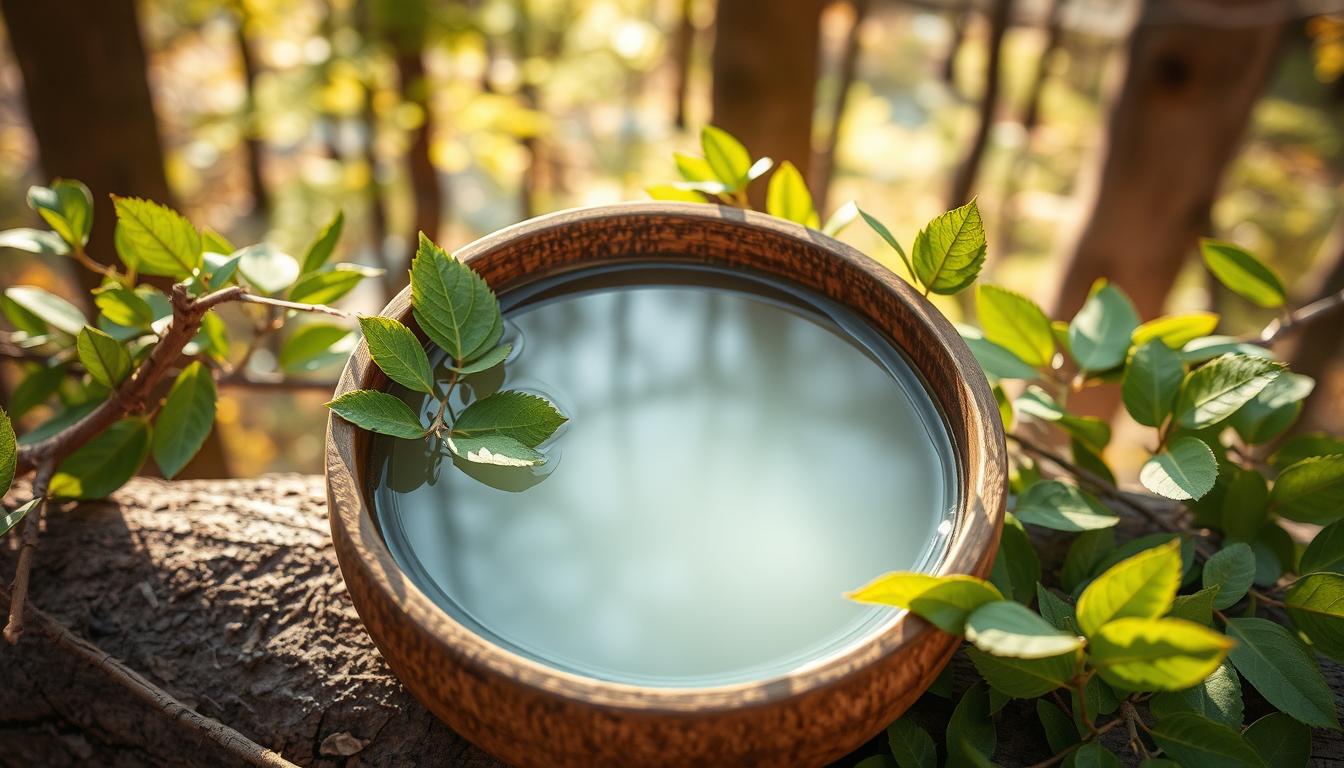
227,594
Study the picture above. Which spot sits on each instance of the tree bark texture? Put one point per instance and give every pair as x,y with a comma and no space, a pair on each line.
963,181
765,71
227,595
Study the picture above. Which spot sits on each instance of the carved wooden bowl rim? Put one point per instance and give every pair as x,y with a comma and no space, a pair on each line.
700,234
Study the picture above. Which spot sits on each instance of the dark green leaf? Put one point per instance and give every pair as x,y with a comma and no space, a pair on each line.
36,388
306,348
1316,606
527,418
1099,335
1193,740
328,285
1217,697
1245,507
452,304
398,353
1187,469
1085,553
1093,755
1216,390
1197,607
67,207
1275,552
1282,670
106,360
319,252
1242,273
1059,731
1231,570
266,268
1326,550
1062,507
1270,413
970,729
1054,610
1306,447
1151,383
788,198
105,463
1311,491
911,745
1015,323
1017,568
33,241
1024,678
155,240
495,448
1281,741
187,416
47,307
378,412
487,361
949,252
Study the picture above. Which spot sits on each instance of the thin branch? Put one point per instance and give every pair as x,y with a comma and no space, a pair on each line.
234,743
32,528
1280,327
254,299
241,380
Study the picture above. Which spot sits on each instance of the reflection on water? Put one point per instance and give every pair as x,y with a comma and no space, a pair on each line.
730,467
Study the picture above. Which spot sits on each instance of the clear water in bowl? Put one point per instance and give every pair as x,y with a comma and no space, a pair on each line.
738,455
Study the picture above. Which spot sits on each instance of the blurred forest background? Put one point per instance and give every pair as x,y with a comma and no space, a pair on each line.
1102,137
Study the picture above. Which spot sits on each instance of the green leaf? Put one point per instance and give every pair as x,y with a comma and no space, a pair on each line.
185,420
106,360
330,284
319,252
398,353
1017,568
949,252
788,198
1316,606
1037,403
9,447
213,242
213,338
1099,335
1281,741
1015,323
1217,697
155,240
1024,678
944,601
1155,654
1305,447
8,521
1245,507
726,156
220,268
1242,273
1275,552
1175,331
1059,731
1282,670
487,361
1231,570
1270,413
308,344
881,230
997,362
1192,740
105,463
911,745
1093,755
1215,391
1142,586
673,193
840,219
1084,555
123,306
1054,610
693,168
495,448
1151,382
1311,491
1061,507
378,412
47,307
67,207
1207,348
452,304
527,418
33,241
970,732
36,388
1326,550
1187,469
1197,607
267,269
1008,629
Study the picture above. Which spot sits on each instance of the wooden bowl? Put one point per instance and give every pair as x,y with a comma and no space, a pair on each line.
533,715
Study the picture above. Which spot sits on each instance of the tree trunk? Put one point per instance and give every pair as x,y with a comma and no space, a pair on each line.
88,100
823,164
683,43
228,595
1176,122
765,70
964,180
428,198
252,142
1317,348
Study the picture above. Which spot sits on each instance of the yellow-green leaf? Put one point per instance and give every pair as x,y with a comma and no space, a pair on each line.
156,240
1242,273
105,358
788,197
398,353
949,252
1175,331
1142,586
944,601
319,252
451,303
1015,323
1142,654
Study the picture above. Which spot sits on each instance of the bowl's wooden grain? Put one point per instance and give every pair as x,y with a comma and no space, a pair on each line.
533,715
